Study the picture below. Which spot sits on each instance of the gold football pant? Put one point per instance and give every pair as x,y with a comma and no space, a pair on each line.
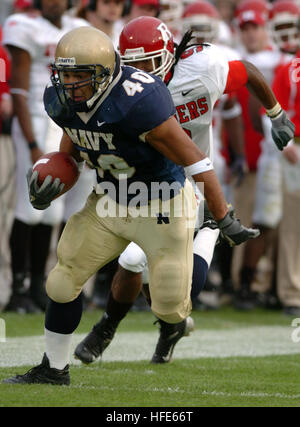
90,241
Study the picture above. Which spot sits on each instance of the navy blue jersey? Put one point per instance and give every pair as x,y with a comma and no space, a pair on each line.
110,137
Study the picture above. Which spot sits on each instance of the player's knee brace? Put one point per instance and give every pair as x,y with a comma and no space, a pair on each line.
170,292
133,258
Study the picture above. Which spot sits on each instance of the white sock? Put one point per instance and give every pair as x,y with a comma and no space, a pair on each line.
204,243
58,349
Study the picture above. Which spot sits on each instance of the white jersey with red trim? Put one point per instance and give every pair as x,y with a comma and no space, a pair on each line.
219,114
39,37
199,81
267,61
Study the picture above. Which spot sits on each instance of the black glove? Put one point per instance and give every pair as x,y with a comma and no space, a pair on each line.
41,197
283,130
238,168
234,232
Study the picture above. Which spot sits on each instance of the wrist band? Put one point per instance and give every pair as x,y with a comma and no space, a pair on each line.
275,111
204,165
32,145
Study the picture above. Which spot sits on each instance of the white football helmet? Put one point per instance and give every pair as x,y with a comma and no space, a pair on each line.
284,25
170,12
203,18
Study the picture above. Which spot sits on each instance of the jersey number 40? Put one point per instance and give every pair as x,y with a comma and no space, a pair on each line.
131,88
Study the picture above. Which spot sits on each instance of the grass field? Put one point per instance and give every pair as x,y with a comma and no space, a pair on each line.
231,359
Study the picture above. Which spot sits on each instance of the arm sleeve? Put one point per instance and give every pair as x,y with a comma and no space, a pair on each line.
237,76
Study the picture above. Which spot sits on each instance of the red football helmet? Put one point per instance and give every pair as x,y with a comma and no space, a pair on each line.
259,6
284,25
148,38
203,18
256,11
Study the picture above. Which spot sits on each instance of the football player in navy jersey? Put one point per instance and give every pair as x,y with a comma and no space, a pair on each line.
200,76
121,121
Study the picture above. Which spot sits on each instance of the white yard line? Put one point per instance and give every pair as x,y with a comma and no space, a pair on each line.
134,346
169,390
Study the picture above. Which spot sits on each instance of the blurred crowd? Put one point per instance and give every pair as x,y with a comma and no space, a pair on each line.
261,183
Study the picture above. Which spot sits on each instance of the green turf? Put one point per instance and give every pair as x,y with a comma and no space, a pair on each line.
233,381
264,381
226,318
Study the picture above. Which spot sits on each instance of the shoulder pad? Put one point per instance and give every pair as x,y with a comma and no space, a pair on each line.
54,107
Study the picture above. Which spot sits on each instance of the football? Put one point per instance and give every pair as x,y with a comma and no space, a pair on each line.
58,165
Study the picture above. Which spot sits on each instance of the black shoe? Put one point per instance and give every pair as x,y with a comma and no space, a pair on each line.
22,303
42,374
169,336
245,300
93,345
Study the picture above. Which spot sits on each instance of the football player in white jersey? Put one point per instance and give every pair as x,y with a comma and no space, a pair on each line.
31,40
204,19
197,76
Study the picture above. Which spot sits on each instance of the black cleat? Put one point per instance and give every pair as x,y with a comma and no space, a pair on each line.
42,374
169,336
93,345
